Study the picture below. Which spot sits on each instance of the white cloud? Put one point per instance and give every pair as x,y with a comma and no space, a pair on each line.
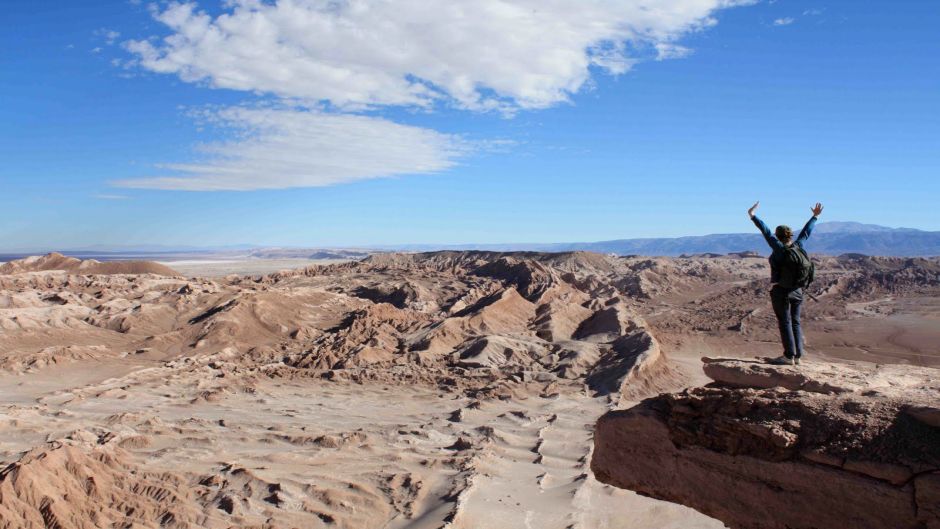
813,12
283,148
351,55
665,50
102,196
785,21
474,54
109,35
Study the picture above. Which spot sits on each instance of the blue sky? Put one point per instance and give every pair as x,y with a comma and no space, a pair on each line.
497,128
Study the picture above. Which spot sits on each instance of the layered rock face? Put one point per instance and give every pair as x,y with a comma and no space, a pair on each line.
814,446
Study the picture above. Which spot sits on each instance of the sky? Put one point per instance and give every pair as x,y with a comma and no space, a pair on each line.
382,122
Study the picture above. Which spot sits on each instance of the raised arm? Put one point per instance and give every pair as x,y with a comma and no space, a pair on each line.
765,231
808,228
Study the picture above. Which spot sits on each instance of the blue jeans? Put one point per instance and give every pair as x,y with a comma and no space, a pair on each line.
787,304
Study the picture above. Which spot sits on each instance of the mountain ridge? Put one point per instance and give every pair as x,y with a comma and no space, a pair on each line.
832,238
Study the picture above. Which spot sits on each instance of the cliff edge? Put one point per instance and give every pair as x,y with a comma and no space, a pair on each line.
781,447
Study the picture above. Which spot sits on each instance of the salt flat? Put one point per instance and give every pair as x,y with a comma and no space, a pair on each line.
221,268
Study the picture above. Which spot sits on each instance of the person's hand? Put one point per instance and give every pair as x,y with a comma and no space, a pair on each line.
816,210
750,212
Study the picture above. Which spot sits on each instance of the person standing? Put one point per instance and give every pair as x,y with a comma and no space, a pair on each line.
791,270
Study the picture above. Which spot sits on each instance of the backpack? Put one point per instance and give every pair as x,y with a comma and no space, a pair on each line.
796,268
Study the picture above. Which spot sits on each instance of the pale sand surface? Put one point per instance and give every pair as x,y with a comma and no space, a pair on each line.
221,268
452,390
529,469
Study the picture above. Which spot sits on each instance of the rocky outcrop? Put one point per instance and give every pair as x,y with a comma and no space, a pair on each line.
85,483
779,447
57,261
633,367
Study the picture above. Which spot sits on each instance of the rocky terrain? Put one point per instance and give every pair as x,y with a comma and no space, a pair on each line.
445,389
57,261
815,446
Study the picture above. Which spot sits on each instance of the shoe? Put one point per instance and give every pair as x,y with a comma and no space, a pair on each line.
796,360
782,361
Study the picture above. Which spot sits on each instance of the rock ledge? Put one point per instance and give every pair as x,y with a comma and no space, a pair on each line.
815,446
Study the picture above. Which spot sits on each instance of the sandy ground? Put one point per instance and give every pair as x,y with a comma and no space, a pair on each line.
347,396
357,445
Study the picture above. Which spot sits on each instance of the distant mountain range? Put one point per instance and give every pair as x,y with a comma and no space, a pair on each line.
828,238
832,238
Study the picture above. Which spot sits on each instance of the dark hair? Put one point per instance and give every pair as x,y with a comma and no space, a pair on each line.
784,234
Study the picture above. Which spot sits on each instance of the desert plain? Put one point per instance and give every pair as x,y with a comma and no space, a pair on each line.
427,390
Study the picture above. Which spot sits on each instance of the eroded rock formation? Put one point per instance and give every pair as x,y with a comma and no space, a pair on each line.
815,446
477,378
57,261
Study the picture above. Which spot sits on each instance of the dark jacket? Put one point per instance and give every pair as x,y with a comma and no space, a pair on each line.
777,254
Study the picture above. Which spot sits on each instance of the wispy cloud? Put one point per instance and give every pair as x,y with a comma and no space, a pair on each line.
785,21
283,148
473,54
108,35
104,196
666,50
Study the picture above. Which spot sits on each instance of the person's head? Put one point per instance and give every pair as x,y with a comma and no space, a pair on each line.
784,234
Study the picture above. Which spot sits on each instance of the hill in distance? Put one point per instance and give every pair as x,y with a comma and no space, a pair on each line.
830,238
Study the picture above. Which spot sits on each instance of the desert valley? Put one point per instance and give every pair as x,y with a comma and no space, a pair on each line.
470,264
403,390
